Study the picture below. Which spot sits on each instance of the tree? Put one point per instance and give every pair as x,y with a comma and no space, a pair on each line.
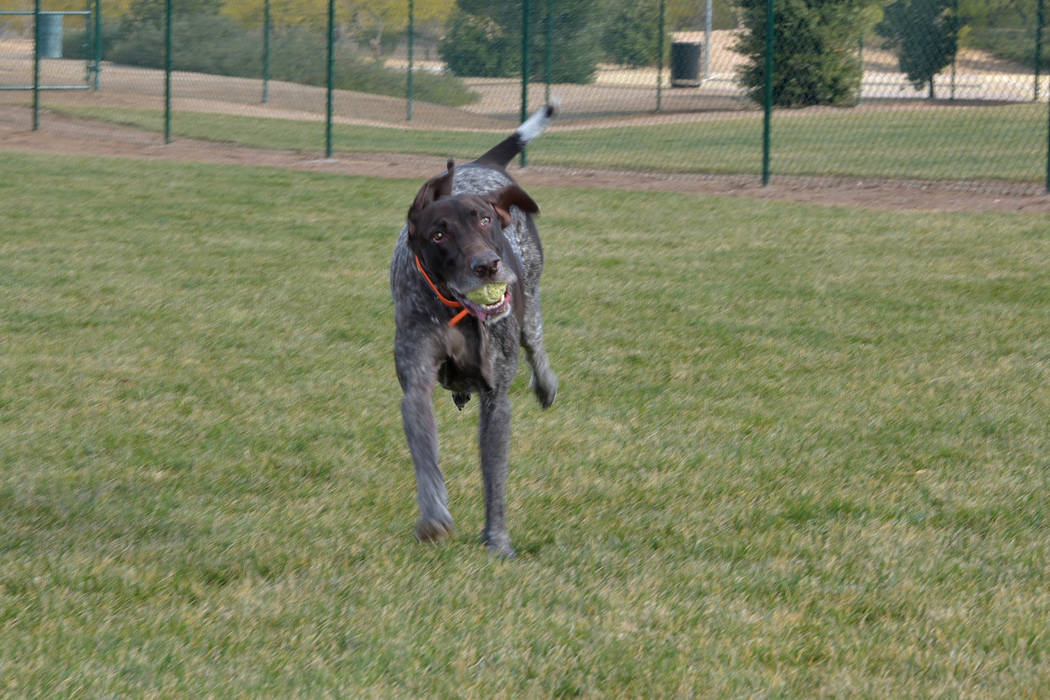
815,42
483,38
925,34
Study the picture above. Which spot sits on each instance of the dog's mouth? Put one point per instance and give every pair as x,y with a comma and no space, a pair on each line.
489,302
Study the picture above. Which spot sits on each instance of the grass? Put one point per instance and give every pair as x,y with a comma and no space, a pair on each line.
1004,143
798,451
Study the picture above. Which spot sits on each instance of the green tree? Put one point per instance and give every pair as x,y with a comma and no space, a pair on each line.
484,38
925,34
815,42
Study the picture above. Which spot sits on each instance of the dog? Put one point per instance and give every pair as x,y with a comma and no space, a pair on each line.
465,282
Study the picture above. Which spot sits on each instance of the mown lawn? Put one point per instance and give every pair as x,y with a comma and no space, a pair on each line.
798,451
996,143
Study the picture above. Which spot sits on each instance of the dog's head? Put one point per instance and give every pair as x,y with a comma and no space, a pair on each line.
460,243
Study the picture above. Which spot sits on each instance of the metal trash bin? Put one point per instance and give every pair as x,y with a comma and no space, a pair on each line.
685,63
50,35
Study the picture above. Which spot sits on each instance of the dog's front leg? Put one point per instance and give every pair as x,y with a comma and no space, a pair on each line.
417,414
494,435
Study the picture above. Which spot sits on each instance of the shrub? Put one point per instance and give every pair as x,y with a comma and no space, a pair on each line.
1006,30
73,39
208,43
814,49
476,45
631,37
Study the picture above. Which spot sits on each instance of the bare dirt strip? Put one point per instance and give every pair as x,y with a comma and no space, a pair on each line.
61,134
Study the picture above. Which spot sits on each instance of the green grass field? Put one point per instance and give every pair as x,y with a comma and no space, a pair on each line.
998,143
797,452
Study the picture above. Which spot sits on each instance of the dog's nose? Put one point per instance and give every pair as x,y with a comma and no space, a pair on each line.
485,265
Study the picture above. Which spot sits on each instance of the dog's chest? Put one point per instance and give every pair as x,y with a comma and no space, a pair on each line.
467,366
479,357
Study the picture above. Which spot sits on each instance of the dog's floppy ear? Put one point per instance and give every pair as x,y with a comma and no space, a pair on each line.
509,196
434,189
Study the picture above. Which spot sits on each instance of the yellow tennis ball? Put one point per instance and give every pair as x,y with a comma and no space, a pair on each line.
488,294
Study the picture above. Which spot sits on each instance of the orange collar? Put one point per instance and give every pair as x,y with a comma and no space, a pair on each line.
447,302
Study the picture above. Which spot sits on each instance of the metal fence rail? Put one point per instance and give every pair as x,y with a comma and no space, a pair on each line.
890,89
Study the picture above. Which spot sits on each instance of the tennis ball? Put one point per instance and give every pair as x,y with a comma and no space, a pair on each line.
488,294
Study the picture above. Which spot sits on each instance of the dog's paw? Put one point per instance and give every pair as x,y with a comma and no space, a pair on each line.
434,530
545,387
499,545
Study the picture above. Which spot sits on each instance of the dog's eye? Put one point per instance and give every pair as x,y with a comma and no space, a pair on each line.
485,221
437,236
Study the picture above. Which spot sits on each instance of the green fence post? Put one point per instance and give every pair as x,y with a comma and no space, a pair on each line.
660,57
411,42
266,52
525,17
167,71
98,42
549,42
767,100
955,51
89,42
1040,20
708,23
36,64
330,78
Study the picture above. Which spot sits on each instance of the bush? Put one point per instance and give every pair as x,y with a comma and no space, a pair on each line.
1007,30
476,45
207,43
814,49
1012,44
200,43
73,45
631,37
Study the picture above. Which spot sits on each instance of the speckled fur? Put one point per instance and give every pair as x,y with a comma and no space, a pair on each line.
469,358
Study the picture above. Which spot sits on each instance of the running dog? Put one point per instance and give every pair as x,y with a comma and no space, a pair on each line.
465,281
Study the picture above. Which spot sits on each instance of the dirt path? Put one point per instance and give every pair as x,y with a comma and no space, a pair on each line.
60,134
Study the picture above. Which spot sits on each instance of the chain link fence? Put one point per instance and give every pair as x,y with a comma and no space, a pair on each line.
912,90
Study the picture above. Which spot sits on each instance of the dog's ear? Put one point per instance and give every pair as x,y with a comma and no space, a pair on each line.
434,189
509,196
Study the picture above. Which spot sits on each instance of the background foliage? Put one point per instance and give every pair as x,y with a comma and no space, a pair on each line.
484,38
814,43
209,42
925,34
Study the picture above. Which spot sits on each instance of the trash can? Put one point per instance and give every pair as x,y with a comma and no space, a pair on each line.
50,35
685,63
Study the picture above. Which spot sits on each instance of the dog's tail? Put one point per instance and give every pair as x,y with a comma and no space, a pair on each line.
500,155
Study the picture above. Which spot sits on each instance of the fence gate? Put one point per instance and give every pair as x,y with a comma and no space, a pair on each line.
48,27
